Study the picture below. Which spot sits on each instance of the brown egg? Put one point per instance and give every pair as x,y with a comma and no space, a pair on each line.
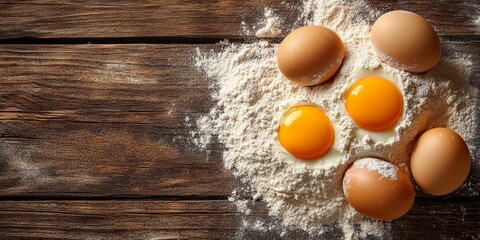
406,41
440,161
310,55
378,189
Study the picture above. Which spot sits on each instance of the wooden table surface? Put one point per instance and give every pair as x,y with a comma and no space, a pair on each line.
93,140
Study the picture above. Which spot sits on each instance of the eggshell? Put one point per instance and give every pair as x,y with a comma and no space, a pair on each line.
310,55
406,41
440,161
377,195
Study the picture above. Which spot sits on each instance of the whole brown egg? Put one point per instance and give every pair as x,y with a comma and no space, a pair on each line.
310,55
440,161
378,189
406,41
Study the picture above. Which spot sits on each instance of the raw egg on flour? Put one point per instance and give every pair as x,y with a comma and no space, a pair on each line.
378,189
306,132
308,138
375,104
310,55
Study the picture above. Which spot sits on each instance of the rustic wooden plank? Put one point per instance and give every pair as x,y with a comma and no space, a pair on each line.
440,219
117,220
157,219
100,19
191,19
106,160
109,120
87,120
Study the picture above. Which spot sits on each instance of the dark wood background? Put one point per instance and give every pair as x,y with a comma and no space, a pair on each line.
93,139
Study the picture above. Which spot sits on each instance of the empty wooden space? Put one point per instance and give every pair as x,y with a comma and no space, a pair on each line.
95,136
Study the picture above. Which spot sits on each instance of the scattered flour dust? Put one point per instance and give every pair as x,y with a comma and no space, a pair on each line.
252,95
271,27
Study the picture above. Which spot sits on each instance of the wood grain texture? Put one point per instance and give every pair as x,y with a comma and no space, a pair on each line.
191,19
156,219
88,120
146,18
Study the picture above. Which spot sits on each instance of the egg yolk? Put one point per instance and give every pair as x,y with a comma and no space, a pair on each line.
374,103
306,132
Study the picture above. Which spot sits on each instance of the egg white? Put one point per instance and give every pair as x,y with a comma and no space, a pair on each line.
374,136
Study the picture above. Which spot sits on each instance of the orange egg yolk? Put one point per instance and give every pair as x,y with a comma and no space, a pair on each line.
306,132
374,103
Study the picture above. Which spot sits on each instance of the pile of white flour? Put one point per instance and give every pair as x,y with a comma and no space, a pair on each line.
252,95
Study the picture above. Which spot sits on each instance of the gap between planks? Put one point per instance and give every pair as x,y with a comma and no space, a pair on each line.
178,40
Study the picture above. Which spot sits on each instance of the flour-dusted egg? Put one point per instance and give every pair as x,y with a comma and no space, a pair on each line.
440,161
406,41
310,55
378,189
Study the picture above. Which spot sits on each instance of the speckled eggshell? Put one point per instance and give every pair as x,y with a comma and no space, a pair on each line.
406,41
440,161
310,55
